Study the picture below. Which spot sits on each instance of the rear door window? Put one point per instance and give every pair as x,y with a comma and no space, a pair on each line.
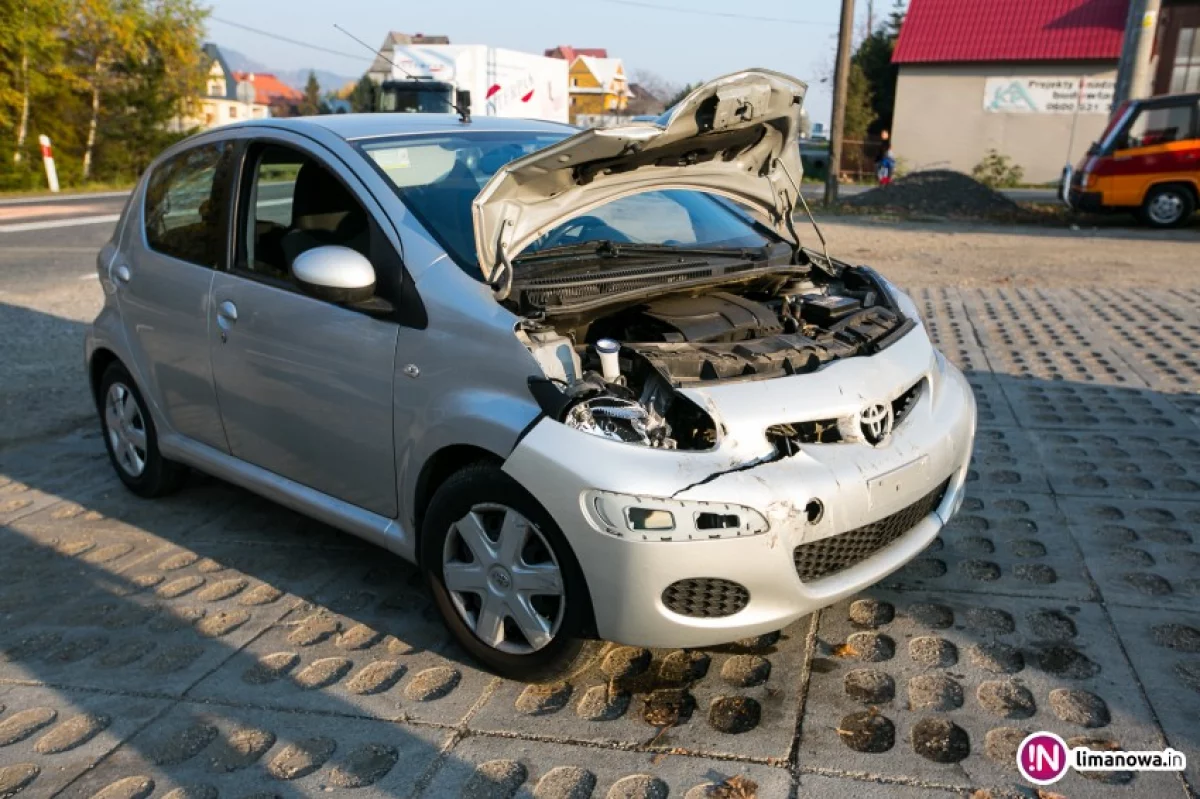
186,202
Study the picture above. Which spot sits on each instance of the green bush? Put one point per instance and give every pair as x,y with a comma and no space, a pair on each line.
997,171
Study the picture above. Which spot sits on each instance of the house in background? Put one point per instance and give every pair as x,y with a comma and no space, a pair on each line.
1177,48
222,103
281,99
597,86
1031,79
568,53
381,68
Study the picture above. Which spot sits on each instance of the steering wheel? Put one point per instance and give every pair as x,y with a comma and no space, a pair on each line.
583,228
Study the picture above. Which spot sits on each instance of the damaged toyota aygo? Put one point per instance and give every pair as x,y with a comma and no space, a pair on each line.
592,383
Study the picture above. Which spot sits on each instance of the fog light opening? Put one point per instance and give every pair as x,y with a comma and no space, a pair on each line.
646,519
717,521
814,511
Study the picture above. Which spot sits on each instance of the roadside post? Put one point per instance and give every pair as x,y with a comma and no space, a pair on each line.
48,160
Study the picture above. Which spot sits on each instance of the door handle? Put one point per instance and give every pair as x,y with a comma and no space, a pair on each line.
122,273
226,316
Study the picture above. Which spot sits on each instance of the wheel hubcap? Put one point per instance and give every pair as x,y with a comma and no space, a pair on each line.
503,579
1166,208
126,429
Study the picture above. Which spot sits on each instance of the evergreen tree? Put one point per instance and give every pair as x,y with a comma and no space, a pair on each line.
878,85
362,97
311,105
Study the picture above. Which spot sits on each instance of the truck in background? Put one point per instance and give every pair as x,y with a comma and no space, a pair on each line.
490,81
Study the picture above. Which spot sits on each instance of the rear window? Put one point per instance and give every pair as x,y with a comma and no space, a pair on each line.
185,202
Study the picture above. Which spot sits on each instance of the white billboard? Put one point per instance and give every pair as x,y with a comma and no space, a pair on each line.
1048,95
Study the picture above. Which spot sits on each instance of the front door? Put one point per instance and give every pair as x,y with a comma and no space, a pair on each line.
304,385
1159,144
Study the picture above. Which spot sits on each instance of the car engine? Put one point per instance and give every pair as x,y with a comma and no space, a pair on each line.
615,371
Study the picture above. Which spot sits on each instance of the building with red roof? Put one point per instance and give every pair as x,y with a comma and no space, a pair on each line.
270,90
1032,79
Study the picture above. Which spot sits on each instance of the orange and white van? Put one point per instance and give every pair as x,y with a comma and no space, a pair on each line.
1147,162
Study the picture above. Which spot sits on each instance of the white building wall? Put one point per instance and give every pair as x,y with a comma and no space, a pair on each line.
940,119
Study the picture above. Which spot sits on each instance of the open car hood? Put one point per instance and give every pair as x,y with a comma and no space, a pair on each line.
727,137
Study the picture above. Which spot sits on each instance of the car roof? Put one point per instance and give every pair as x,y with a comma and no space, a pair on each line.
367,126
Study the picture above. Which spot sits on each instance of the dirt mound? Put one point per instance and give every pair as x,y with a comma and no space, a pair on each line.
940,192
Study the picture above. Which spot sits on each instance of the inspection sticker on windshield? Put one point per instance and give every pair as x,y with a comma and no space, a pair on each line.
396,158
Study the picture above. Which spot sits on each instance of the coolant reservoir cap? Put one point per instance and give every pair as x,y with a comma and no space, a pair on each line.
607,346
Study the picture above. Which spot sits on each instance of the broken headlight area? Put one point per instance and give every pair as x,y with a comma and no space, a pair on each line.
662,519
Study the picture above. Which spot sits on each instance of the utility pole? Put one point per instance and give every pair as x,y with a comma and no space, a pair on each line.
841,79
1140,78
870,17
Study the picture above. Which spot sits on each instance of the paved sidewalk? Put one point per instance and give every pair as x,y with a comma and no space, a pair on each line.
212,644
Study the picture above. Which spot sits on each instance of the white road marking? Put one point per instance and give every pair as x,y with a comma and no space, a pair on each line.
18,227
58,198
90,276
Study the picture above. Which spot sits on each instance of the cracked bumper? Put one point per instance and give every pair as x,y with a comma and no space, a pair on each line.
857,484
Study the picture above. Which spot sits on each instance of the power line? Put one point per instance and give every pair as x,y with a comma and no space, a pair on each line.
268,34
724,14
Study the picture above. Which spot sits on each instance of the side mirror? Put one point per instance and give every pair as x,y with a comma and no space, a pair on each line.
334,273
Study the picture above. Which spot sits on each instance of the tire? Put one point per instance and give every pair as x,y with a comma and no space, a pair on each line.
481,499
130,437
1168,206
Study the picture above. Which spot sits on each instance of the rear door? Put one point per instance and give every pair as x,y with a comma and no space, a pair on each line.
163,275
1160,143
305,385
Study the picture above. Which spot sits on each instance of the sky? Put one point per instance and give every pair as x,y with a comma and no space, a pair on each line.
682,45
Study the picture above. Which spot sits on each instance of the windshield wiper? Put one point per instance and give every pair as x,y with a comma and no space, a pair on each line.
614,249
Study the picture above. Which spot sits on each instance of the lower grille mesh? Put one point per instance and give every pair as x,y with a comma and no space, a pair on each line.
706,597
837,552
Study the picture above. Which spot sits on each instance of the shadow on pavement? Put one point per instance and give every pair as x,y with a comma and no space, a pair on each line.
213,638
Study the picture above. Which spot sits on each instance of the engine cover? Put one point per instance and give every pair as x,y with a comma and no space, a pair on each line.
714,317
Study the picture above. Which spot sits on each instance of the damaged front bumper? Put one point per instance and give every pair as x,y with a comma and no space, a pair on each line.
643,522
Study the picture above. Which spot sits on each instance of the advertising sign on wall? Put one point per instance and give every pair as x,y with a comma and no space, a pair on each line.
1048,95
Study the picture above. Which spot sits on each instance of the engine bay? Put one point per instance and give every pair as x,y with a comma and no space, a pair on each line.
615,371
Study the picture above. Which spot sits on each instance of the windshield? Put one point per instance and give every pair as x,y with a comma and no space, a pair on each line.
438,176
413,97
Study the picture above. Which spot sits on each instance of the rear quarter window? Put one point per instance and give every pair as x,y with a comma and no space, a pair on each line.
186,200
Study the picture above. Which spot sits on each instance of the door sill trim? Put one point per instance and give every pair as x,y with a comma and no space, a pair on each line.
372,527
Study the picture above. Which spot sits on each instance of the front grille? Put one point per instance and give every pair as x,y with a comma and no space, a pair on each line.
837,552
706,597
787,438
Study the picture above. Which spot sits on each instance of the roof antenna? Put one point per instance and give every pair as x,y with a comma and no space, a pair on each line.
463,111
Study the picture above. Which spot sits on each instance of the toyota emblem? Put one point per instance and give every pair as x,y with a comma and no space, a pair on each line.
876,423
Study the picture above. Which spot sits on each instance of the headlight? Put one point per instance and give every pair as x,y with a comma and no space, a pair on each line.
620,419
661,519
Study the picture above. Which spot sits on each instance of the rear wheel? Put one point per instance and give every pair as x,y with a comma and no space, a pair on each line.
130,437
503,576
1167,206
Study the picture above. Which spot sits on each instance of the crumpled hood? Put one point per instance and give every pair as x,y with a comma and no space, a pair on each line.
727,137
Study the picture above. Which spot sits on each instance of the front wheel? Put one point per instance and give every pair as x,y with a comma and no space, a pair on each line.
503,576
1167,206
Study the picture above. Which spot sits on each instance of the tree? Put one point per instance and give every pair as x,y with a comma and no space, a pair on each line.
874,59
311,105
676,98
362,96
651,91
101,32
30,56
859,112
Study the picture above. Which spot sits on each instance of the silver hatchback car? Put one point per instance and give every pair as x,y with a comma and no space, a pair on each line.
590,382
